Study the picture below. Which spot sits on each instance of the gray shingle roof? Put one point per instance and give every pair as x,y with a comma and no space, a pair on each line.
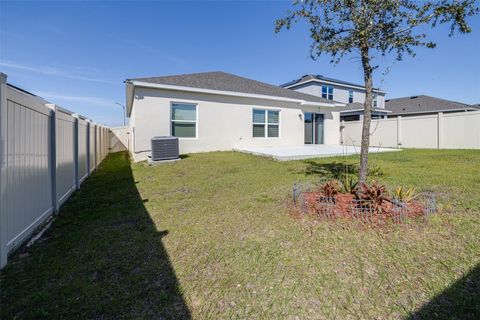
228,82
423,104
308,77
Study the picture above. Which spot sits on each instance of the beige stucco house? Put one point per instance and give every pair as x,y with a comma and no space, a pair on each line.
215,111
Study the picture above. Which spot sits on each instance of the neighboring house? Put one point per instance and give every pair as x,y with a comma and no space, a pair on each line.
354,112
351,94
219,111
423,105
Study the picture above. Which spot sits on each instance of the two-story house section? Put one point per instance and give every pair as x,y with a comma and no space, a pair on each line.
353,95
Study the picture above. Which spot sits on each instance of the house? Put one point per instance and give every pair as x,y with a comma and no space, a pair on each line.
354,112
215,111
350,94
423,105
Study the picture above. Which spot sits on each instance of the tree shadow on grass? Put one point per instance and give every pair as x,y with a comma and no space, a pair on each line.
103,258
331,170
459,301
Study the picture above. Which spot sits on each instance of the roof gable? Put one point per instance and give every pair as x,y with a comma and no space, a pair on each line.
308,78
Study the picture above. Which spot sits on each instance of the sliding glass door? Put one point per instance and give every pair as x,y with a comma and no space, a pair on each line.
308,128
313,128
318,128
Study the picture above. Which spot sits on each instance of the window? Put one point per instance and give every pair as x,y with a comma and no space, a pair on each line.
377,116
327,92
265,123
375,100
350,96
184,120
354,117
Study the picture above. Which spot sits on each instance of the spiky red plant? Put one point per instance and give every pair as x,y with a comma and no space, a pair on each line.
373,195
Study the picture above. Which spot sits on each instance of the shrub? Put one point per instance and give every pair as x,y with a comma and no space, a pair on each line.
373,195
404,194
330,188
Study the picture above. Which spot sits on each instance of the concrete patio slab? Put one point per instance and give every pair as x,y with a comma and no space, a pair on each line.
308,151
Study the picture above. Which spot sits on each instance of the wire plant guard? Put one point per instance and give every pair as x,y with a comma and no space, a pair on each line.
360,210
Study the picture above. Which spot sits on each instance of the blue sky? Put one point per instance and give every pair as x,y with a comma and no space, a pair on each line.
77,54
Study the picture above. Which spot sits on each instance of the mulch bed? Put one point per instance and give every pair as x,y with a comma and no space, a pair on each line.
343,207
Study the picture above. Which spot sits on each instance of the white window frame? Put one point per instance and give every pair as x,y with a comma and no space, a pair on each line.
266,123
184,121
327,92
350,96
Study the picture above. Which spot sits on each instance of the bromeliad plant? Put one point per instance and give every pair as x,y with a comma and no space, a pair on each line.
330,188
349,184
374,195
404,194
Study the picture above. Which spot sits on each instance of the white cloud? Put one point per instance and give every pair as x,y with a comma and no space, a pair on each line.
84,99
52,72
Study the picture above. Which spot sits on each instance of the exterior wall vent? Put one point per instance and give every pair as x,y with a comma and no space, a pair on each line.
164,148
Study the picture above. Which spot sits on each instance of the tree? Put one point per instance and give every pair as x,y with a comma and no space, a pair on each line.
371,28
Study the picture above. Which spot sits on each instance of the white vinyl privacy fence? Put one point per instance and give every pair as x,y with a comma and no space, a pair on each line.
46,152
458,130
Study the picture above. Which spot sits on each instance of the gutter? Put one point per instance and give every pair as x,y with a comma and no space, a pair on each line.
375,110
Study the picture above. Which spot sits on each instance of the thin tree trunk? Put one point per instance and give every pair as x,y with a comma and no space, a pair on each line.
367,115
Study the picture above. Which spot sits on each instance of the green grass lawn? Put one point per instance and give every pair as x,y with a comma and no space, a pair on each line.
210,237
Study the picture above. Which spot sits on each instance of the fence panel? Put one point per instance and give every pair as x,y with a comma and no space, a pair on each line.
98,152
103,143
82,150
106,141
45,153
99,145
384,133
65,150
92,162
461,130
420,132
351,133
27,193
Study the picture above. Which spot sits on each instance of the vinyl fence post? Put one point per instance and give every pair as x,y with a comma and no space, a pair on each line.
95,155
399,131
3,170
88,148
53,155
440,130
110,134
75,150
